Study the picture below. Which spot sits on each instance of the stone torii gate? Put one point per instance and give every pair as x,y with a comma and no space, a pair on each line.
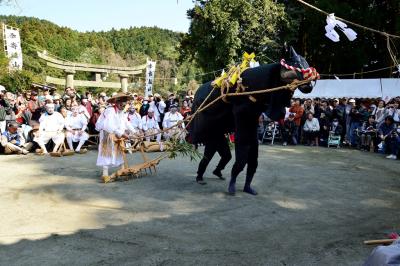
70,69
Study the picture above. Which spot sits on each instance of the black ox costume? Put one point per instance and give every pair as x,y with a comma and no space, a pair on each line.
240,114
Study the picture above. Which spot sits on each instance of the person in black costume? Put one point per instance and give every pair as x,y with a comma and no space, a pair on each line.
218,144
246,144
242,113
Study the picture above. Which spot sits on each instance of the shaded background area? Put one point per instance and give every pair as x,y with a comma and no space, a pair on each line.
315,207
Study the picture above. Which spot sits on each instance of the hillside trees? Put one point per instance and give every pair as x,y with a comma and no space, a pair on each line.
125,47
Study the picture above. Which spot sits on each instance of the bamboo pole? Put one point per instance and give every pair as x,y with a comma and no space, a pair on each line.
379,242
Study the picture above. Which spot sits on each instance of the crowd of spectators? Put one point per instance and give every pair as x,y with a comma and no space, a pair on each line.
22,115
366,124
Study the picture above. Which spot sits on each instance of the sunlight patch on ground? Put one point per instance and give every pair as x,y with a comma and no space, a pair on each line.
289,204
377,203
291,150
338,162
391,191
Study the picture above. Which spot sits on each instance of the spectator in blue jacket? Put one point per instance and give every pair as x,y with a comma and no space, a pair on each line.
11,141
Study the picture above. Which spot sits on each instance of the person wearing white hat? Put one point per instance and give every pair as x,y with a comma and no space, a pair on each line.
112,124
158,106
135,120
57,102
76,125
150,126
171,119
51,128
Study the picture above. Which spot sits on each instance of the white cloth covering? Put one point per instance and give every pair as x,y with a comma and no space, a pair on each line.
83,111
149,123
112,121
136,122
157,109
150,127
170,120
75,124
51,128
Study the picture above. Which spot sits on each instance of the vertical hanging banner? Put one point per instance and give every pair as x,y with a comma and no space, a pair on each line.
150,70
12,47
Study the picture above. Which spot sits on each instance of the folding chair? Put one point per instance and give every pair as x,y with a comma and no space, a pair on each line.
333,140
272,132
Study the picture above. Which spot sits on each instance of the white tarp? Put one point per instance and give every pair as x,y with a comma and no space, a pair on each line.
12,45
351,88
390,88
150,70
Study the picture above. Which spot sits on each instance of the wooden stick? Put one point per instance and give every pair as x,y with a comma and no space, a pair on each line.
144,156
379,242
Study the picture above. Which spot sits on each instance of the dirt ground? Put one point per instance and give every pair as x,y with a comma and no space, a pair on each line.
315,207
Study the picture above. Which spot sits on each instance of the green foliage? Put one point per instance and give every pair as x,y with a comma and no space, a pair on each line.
3,63
17,81
177,147
222,30
156,43
125,47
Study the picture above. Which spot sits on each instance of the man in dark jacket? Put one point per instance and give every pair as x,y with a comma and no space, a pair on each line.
324,127
289,130
356,120
4,105
336,129
385,133
145,107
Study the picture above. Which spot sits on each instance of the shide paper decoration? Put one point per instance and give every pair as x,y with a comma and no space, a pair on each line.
333,23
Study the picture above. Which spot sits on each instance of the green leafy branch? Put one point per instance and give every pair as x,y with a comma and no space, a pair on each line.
176,147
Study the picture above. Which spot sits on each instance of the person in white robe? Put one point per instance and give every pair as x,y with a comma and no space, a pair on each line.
51,128
150,126
173,120
136,134
113,126
76,125
135,120
158,105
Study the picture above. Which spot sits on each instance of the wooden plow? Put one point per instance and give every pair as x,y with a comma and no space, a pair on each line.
134,171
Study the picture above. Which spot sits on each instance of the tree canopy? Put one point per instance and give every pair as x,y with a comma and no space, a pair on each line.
367,52
221,31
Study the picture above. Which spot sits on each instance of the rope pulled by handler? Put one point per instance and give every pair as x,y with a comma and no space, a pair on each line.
118,146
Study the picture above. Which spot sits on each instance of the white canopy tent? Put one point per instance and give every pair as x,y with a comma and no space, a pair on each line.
353,88
390,88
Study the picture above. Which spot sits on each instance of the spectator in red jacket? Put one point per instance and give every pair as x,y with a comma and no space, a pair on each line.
298,112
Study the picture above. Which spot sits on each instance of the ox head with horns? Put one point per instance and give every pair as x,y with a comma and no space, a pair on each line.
295,67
